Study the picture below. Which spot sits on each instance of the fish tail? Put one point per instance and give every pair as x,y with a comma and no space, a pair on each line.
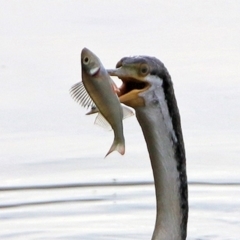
117,146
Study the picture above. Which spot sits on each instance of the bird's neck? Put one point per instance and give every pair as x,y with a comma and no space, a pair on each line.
161,141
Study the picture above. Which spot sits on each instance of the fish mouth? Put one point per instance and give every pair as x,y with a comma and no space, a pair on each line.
132,85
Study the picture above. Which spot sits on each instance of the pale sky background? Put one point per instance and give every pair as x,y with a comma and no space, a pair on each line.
40,44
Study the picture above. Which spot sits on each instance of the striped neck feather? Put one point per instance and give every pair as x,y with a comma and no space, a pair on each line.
166,150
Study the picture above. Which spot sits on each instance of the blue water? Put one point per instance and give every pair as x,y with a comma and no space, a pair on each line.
54,180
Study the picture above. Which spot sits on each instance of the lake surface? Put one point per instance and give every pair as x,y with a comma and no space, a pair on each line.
54,180
112,210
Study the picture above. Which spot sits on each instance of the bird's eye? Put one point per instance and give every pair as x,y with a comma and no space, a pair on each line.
86,60
144,69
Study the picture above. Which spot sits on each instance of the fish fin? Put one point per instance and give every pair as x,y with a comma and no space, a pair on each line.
80,95
116,146
127,112
102,122
93,110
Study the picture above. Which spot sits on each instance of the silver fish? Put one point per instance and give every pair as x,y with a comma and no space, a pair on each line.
98,91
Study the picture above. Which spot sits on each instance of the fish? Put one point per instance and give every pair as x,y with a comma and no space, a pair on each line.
98,91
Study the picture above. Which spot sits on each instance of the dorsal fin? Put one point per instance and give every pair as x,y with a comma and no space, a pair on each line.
80,95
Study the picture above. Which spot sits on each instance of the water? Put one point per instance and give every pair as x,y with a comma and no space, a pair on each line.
115,211
54,180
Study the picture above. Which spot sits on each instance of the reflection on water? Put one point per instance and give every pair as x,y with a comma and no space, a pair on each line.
112,210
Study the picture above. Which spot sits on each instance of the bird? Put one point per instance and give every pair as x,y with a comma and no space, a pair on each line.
147,87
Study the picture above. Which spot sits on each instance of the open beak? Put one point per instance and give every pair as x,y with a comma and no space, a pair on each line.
132,85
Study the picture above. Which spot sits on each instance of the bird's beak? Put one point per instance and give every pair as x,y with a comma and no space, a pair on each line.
118,72
132,85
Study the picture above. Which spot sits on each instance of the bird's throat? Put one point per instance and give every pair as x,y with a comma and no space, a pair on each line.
161,141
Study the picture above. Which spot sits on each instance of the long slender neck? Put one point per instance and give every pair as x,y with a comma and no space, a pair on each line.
169,176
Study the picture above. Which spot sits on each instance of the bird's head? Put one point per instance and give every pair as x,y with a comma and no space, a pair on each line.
137,74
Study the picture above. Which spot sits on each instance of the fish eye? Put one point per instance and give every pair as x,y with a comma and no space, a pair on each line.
86,60
144,69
